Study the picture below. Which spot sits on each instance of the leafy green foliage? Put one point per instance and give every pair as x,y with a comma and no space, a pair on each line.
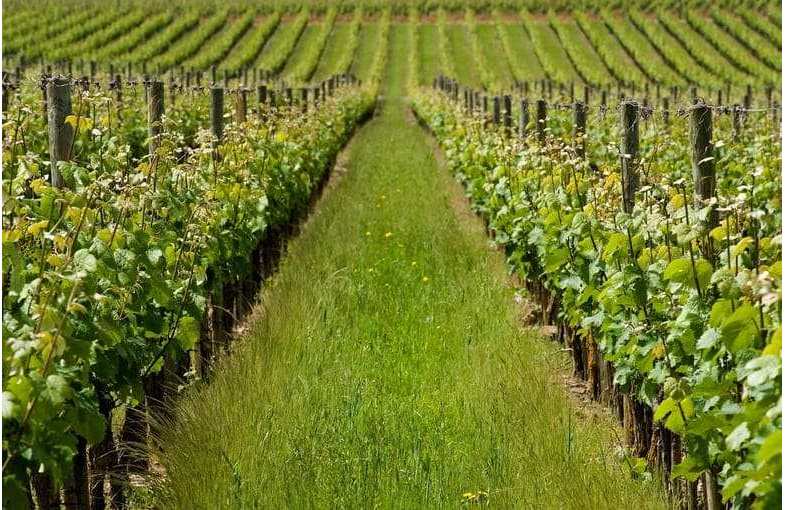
688,312
109,274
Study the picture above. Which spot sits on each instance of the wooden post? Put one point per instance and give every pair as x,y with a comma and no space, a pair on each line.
580,129
216,117
304,95
213,75
736,121
712,491
6,92
58,92
261,97
542,118
507,100
172,89
747,103
703,172
629,154
523,119
666,114
497,110
155,111
118,86
241,106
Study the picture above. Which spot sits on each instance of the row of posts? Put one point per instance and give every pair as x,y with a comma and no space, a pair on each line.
502,107
544,86
700,116
90,69
57,103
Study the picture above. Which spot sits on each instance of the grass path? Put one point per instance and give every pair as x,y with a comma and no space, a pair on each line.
387,368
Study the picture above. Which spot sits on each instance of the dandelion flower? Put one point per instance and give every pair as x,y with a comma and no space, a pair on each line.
388,234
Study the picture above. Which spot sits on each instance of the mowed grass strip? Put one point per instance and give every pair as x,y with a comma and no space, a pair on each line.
387,368
337,45
366,49
428,52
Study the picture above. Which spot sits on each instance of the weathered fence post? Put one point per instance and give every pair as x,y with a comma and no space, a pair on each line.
580,129
58,92
666,114
507,100
629,154
523,119
216,118
6,90
155,111
542,116
261,98
497,110
736,121
703,172
118,88
304,95
241,106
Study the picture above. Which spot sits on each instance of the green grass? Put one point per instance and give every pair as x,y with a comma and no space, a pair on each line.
428,52
366,49
333,51
304,45
460,48
522,59
387,368
493,53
